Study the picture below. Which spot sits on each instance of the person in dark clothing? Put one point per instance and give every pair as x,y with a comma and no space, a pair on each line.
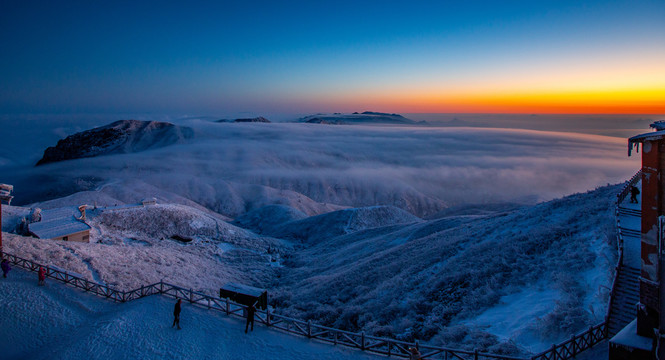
5,267
250,317
634,191
176,314
414,354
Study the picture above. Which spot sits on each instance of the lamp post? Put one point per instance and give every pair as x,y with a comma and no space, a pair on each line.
5,195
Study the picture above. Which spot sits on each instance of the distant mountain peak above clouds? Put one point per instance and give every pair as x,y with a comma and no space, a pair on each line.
366,117
260,119
120,137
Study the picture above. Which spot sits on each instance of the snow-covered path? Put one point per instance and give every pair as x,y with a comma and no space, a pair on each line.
59,322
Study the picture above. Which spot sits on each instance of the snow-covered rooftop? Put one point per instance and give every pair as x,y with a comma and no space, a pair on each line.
58,222
628,337
243,289
659,126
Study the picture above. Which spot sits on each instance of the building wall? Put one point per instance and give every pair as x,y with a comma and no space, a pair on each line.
83,236
653,160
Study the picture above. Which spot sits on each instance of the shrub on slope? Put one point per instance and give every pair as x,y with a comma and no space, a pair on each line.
318,228
267,218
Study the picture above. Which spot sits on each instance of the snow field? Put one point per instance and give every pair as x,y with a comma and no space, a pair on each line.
58,322
461,281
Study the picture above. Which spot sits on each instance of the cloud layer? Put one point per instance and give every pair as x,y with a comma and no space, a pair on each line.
232,168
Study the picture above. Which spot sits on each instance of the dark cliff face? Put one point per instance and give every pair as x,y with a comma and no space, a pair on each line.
120,137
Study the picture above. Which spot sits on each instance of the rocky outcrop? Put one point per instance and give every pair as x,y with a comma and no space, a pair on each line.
120,137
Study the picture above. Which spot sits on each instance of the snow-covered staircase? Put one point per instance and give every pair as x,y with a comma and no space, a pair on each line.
626,297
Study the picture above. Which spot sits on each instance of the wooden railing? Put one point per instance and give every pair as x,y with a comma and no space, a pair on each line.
626,188
307,329
389,347
577,343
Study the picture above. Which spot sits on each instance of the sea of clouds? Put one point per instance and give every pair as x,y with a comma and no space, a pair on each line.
421,169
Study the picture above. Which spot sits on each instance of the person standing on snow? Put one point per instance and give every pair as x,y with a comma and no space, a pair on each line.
250,317
634,191
41,276
5,267
414,354
176,314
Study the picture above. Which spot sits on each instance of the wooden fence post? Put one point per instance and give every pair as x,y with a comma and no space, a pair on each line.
362,341
191,296
554,352
268,316
309,328
228,307
573,342
475,354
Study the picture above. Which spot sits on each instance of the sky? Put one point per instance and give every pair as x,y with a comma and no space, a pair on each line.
216,57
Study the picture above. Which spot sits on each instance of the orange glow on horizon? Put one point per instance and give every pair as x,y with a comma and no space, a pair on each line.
637,101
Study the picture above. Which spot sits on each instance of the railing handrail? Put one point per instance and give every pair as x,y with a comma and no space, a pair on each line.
400,348
621,196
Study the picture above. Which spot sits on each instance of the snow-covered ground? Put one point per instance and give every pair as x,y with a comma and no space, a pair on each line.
134,246
511,281
514,280
58,322
350,226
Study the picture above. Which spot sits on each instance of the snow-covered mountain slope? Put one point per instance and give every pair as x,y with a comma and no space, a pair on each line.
268,218
134,246
327,226
509,281
123,136
57,322
432,280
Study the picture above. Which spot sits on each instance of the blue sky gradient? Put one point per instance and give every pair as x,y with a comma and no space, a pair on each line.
293,57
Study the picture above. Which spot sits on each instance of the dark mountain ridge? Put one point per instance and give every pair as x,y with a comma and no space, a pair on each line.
120,137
